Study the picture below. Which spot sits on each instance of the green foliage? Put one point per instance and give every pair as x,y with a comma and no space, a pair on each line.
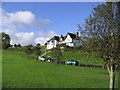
102,32
57,53
15,45
5,40
74,49
37,51
68,48
28,50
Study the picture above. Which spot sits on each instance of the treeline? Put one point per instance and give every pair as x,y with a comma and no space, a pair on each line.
29,49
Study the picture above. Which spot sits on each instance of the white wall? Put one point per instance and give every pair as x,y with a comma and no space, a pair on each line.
68,39
51,44
56,42
70,44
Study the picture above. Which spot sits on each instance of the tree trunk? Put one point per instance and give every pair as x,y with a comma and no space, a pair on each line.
112,80
36,58
111,70
28,57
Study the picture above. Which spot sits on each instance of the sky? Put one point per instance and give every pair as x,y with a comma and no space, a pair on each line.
36,22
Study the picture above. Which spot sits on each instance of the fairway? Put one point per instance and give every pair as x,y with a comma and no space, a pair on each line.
19,72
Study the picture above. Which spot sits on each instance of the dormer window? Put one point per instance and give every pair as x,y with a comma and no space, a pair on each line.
52,41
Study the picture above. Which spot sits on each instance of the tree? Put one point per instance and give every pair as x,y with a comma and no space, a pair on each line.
5,40
15,45
37,51
28,50
19,45
57,53
102,30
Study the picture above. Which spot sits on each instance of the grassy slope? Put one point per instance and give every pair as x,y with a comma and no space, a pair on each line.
20,72
81,57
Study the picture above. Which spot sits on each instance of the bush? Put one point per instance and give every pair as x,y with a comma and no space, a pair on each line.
68,48
74,49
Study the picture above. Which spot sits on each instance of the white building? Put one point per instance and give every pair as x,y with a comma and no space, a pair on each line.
70,39
52,43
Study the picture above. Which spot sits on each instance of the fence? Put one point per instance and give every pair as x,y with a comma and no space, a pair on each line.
79,64
91,66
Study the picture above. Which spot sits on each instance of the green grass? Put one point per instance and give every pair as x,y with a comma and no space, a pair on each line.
0,69
82,57
20,72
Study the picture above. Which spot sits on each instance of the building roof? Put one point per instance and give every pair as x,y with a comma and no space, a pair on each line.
57,38
54,38
73,36
63,37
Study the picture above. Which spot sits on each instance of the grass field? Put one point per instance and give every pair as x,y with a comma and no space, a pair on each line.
19,72
0,69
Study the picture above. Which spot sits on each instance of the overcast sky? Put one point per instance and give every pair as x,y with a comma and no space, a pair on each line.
36,22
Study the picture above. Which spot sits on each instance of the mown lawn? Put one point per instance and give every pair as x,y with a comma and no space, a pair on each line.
20,72
0,69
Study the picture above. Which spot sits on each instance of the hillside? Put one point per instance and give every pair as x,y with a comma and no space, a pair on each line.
81,56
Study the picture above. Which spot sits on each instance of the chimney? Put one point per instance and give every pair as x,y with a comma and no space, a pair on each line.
77,35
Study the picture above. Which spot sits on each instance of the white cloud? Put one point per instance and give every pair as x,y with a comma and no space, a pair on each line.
11,23
14,22
40,40
44,36
25,17
23,38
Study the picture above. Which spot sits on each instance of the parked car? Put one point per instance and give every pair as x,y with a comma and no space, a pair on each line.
41,58
72,62
47,60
